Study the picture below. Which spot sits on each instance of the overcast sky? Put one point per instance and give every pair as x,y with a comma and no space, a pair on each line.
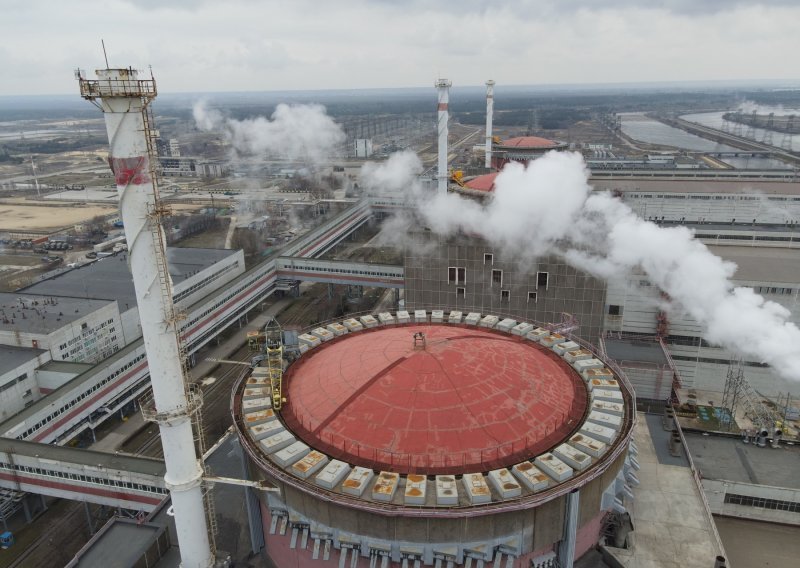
251,45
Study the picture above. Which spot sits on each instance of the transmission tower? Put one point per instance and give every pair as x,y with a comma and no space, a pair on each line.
786,142
751,124
737,123
767,138
738,392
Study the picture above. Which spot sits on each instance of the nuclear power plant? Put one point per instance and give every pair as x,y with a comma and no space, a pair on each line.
497,408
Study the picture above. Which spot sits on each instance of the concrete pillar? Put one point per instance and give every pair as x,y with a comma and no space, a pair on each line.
27,510
88,517
566,550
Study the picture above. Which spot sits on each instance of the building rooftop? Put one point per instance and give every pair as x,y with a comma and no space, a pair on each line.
471,397
631,351
762,264
746,186
12,357
728,458
482,183
66,367
30,313
109,278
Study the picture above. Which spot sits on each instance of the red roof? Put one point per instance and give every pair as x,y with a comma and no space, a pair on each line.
472,399
482,183
529,142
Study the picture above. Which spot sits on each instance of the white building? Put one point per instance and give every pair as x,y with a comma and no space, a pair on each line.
18,387
72,329
362,147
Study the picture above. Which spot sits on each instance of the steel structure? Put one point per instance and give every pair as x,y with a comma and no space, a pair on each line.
125,101
443,88
738,392
489,111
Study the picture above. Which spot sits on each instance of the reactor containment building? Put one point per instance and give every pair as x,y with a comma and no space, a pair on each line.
438,438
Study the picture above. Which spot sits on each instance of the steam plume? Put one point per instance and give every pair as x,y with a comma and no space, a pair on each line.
296,132
548,208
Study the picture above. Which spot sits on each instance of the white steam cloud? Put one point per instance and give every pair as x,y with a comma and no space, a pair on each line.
296,132
548,207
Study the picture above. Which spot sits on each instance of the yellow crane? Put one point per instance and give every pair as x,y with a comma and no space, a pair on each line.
273,349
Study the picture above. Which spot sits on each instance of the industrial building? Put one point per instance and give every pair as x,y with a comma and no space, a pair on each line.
70,328
437,437
194,273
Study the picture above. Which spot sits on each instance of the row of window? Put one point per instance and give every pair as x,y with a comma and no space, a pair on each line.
13,381
774,504
84,478
222,301
717,361
505,295
347,271
205,281
458,275
718,197
79,398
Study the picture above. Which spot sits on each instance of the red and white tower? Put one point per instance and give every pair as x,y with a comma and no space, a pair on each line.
489,111
124,100
443,88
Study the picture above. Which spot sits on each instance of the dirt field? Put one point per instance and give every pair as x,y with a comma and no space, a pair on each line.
15,217
27,217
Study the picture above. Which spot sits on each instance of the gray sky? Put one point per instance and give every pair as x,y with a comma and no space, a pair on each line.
237,45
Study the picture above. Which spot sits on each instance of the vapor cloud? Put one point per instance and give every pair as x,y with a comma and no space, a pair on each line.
548,208
297,132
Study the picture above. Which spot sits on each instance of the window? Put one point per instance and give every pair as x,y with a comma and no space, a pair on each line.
84,325
531,297
505,296
542,279
488,258
614,310
456,275
497,277
461,293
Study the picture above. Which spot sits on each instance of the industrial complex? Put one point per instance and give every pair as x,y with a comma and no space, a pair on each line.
491,412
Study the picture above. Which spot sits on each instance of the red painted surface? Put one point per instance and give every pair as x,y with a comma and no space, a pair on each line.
473,398
529,142
130,171
589,535
81,488
482,183
442,106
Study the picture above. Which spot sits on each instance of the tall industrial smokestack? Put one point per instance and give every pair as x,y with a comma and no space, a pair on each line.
443,86
124,100
489,111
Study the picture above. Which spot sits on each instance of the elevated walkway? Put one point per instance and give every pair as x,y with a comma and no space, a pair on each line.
82,475
341,272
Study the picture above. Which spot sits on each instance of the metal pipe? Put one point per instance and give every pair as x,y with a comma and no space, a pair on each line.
443,87
124,99
489,111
